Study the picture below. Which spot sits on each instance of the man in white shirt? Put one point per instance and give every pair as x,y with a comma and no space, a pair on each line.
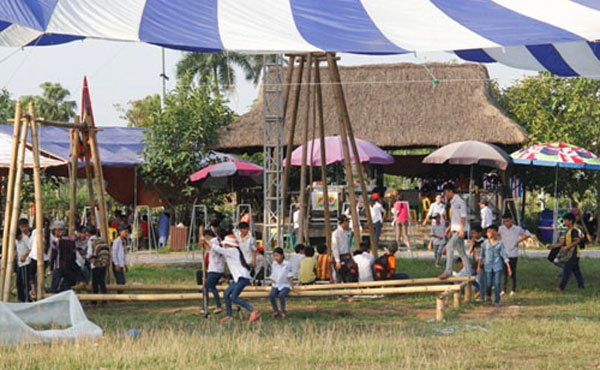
364,260
487,216
215,269
119,259
340,248
455,231
511,236
377,214
247,243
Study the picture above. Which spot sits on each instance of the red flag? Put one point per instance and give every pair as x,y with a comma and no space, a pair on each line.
87,114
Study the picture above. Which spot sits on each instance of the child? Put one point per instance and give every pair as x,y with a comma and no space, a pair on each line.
240,270
492,255
215,270
81,248
282,282
308,267
119,259
99,256
324,265
364,262
438,239
567,252
296,259
475,243
23,260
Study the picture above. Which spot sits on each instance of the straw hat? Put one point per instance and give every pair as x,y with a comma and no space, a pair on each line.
231,241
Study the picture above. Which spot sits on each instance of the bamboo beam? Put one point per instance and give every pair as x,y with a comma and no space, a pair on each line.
319,97
343,110
265,294
456,299
312,151
88,173
14,216
440,308
292,129
73,181
39,205
302,217
102,212
340,106
9,194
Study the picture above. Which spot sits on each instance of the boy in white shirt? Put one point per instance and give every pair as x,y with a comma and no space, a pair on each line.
364,260
438,237
296,259
282,282
119,251
215,270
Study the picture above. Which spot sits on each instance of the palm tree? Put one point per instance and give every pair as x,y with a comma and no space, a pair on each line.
219,67
52,105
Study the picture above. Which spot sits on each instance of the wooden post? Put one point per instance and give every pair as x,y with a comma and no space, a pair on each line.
468,292
456,299
439,308
9,195
39,205
88,172
343,111
340,106
302,217
319,97
102,212
14,216
292,128
311,160
73,182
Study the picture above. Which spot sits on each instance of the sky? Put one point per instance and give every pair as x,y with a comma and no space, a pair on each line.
119,72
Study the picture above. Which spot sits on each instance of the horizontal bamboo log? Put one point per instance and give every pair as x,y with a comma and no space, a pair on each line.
369,284
258,294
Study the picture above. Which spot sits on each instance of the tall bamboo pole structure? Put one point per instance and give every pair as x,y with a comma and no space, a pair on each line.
88,171
73,182
319,97
39,205
292,129
102,212
339,103
312,151
14,216
302,217
343,112
9,194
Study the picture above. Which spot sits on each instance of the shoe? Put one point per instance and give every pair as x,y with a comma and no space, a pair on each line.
443,276
276,314
255,315
502,293
512,293
283,315
217,311
226,319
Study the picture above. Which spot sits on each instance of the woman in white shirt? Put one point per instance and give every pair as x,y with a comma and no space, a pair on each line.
23,260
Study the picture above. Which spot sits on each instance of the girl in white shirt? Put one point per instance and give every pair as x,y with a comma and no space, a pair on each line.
282,280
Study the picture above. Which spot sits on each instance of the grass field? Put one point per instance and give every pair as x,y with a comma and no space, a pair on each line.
537,329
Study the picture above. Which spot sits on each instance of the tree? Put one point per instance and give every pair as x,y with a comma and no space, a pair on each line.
52,104
177,137
138,113
219,68
7,106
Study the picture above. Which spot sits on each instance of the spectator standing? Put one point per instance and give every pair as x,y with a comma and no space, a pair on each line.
455,231
340,249
402,217
438,237
164,228
23,261
487,216
511,236
377,215
119,255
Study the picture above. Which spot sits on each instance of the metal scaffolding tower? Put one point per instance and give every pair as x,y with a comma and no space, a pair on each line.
274,132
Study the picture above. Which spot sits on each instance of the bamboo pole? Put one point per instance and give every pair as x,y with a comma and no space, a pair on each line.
265,294
363,285
340,106
9,194
439,309
312,151
302,230
456,299
102,212
292,128
319,105
73,182
14,216
343,110
468,292
39,205
88,173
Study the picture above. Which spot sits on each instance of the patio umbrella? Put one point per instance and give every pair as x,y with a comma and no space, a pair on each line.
367,152
228,175
557,154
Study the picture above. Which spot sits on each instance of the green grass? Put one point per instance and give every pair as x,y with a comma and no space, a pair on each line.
537,329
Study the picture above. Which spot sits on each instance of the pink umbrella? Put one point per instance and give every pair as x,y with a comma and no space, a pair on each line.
367,152
226,175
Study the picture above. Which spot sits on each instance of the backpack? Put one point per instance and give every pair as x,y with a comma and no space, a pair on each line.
380,268
101,253
66,253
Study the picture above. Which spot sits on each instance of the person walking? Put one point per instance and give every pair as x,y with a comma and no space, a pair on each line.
493,260
377,215
569,253
511,236
455,231
402,217
215,270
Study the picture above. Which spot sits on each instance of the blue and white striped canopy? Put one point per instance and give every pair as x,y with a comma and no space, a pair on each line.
554,35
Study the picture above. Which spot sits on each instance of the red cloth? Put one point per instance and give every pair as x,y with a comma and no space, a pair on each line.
144,227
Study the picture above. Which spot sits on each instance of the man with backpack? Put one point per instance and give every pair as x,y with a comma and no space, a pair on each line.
568,251
99,256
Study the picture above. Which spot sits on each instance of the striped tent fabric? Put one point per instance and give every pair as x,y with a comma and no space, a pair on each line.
553,35
557,154
46,160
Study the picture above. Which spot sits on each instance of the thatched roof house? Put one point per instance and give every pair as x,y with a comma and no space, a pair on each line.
397,106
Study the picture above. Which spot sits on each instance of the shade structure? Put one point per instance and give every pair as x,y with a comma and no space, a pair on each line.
470,153
557,154
47,160
228,175
554,35
367,152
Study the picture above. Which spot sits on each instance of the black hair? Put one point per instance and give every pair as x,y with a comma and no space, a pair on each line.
208,232
477,229
279,250
118,212
342,218
450,187
321,248
82,229
506,215
570,217
299,248
214,223
23,221
91,229
309,251
493,227
364,247
243,225
144,217
459,260
19,233
356,253
392,248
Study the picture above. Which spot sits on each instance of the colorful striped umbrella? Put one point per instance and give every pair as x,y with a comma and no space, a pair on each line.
557,154
228,175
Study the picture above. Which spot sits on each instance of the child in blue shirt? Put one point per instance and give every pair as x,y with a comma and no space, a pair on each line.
491,258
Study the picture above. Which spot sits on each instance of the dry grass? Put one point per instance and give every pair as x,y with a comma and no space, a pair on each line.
539,329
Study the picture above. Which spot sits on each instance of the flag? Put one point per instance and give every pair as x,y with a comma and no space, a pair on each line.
87,116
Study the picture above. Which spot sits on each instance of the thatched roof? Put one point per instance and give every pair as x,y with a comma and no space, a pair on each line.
397,106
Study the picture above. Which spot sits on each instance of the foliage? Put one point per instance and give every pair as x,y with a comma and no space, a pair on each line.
7,106
138,113
219,68
52,104
177,137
